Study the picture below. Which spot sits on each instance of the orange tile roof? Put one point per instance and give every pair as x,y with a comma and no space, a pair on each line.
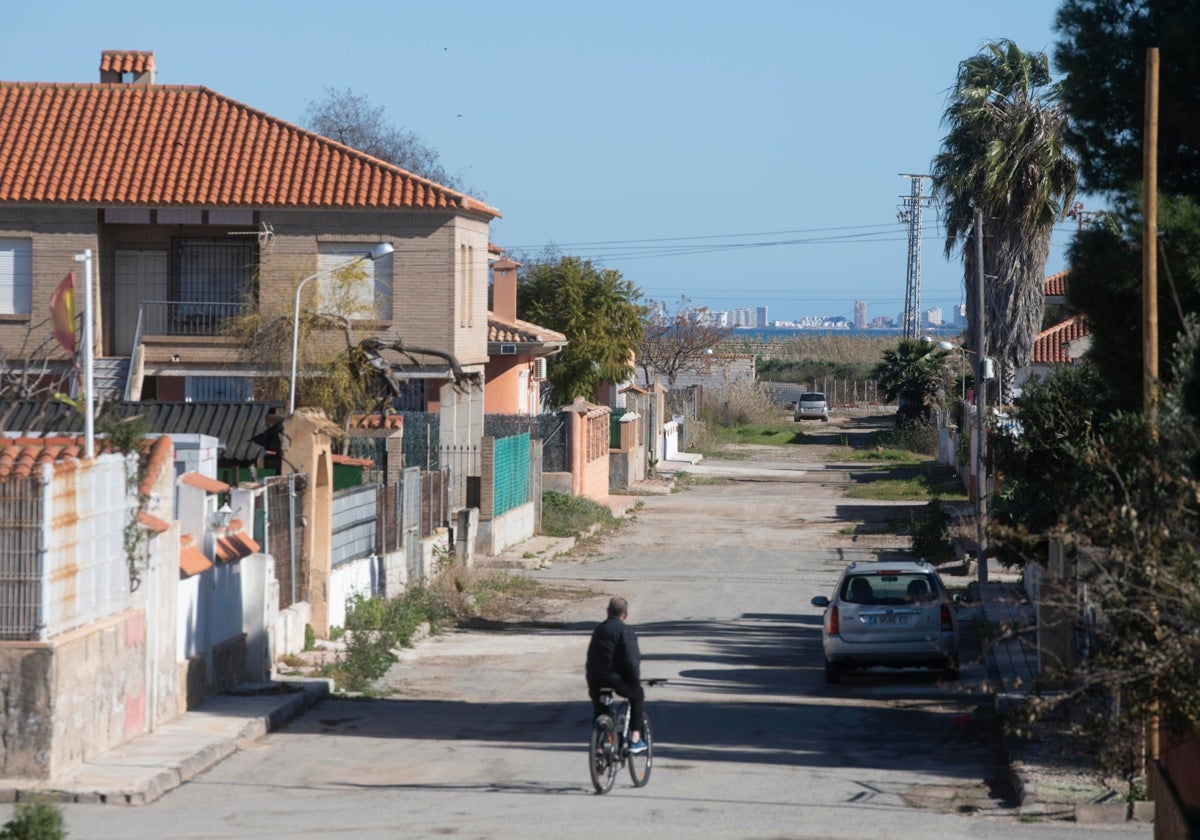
1051,345
173,145
519,332
157,456
23,457
126,61
208,485
191,559
152,523
1056,284
235,546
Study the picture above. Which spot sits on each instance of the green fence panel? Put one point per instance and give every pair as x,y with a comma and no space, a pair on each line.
511,474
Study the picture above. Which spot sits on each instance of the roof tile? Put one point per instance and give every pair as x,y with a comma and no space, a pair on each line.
173,145
1052,345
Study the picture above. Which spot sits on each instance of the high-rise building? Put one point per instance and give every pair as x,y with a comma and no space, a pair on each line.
933,317
860,314
761,317
960,315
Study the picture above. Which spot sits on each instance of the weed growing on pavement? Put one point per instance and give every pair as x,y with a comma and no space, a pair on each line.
919,487
377,627
570,516
35,819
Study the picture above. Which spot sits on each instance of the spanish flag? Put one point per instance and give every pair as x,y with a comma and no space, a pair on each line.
62,312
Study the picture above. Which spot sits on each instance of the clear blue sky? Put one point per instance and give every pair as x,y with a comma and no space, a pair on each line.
742,154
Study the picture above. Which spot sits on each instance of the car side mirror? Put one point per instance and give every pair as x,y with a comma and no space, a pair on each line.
820,601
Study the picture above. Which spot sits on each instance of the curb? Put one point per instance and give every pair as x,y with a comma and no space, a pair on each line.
180,753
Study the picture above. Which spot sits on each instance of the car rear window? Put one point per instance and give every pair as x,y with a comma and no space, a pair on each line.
812,397
888,588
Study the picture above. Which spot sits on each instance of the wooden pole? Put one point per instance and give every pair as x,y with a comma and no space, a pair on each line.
1150,244
1150,326
980,406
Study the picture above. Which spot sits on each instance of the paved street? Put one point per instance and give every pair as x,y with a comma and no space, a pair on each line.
483,733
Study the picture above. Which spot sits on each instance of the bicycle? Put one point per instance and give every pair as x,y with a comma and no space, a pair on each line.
608,746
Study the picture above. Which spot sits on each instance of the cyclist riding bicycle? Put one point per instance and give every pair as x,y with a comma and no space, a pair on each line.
613,661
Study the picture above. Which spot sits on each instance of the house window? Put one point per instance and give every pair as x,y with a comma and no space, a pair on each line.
213,270
16,276
364,290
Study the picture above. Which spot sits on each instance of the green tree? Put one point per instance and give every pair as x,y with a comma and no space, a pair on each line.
913,375
679,342
1005,153
1103,53
596,309
1135,534
1041,483
1106,286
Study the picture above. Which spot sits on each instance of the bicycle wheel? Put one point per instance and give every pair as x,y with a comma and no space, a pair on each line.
602,754
639,763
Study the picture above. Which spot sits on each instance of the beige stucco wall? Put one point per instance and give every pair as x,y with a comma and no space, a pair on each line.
439,296
56,236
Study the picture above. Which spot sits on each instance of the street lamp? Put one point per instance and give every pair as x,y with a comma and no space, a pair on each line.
380,250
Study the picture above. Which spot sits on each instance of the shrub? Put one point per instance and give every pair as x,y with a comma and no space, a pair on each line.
35,819
569,516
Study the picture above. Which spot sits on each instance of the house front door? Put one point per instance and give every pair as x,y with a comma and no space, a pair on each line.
139,276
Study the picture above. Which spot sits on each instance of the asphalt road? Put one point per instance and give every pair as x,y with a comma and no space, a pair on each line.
484,733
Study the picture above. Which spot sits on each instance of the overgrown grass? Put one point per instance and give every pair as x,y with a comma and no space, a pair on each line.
569,516
767,434
881,455
919,487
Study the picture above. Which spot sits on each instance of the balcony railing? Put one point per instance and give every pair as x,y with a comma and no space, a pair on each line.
175,318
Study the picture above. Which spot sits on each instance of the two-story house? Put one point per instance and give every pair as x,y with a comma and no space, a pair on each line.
198,209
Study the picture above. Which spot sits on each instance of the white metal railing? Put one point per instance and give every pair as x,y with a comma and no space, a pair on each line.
180,317
67,565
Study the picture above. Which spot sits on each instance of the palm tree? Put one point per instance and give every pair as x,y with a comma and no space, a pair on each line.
1006,154
913,375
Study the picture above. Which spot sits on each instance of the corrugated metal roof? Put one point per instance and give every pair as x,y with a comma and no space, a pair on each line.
243,428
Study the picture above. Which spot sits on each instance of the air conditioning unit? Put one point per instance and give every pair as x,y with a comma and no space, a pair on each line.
539,368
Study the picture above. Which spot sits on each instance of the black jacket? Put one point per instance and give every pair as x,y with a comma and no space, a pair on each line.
613,650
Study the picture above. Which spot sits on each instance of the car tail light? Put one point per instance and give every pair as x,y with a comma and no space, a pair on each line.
946,624
834,627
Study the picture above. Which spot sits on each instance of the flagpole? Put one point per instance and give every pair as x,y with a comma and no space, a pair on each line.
89,422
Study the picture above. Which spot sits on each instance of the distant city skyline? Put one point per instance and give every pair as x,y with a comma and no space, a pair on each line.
934,317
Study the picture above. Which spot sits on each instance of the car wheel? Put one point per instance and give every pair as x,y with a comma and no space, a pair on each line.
833,672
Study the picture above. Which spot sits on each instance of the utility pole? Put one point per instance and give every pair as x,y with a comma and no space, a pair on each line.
909,213
981,482
1150,327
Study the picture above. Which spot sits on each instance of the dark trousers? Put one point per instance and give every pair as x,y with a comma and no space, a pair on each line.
634,693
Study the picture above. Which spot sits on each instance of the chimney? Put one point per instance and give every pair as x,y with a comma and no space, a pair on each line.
504,289
127,67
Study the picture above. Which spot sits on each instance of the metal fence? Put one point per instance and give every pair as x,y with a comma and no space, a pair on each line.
414,508
282,536
63,559
510,474
355,513
422,439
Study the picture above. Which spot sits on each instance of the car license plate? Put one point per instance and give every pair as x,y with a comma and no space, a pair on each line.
890,619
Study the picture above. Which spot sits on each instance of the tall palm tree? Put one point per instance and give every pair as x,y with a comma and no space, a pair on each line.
1005,153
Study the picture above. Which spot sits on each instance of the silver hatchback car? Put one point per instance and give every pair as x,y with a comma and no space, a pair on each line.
889,613
812,404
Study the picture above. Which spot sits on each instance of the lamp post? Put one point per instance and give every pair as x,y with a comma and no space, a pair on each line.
380,250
